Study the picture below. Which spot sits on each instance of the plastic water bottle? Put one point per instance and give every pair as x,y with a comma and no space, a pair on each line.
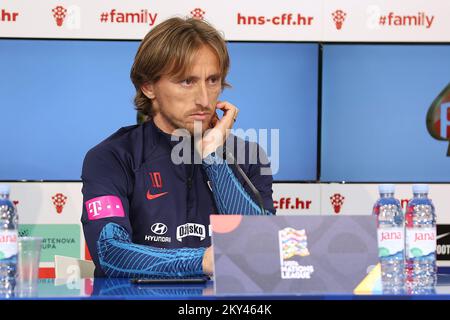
391,239
421,267
8,243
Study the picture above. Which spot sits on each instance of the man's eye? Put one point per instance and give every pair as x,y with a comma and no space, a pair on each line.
187,82
213,80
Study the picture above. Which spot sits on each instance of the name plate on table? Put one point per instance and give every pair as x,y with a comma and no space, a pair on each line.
292,254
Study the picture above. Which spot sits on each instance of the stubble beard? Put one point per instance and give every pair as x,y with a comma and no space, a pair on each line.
193,127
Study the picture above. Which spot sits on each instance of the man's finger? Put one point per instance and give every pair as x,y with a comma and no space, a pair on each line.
214,120
223,105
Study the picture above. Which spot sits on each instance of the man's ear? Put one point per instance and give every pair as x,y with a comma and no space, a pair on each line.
148,90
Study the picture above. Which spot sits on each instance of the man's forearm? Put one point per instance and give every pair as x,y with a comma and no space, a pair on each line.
119,257
230,195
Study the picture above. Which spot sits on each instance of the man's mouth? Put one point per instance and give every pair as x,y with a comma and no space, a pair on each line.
200,116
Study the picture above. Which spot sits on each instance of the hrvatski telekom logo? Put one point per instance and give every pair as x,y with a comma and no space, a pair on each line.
438,117
339,18
59,201
59,13
337,201
198,13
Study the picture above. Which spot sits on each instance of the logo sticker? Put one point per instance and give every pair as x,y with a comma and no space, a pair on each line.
338,18
155,196
157,183
159,228
191,230
438,117
293,243
104,207
337,201
198,13
59,13
59,201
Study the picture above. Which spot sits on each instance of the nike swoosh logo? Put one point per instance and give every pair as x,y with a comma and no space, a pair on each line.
154,196
442,235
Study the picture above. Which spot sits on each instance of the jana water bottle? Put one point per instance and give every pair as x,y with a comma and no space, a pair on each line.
421,267
391,239
8,243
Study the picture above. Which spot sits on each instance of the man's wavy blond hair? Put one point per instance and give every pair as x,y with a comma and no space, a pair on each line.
168,49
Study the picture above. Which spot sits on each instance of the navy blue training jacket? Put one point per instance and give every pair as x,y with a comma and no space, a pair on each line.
129,180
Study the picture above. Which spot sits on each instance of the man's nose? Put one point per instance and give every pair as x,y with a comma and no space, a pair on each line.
201,97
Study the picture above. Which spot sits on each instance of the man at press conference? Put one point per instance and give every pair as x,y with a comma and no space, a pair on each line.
145,212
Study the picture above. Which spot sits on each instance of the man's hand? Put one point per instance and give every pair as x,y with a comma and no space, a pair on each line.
216,136
208,261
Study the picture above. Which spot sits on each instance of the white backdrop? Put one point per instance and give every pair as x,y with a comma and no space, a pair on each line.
250,20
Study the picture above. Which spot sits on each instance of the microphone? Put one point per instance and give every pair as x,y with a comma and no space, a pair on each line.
230,158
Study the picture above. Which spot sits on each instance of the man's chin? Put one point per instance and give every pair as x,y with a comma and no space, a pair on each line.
197,127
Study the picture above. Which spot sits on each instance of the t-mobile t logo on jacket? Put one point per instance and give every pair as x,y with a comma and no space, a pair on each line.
104,207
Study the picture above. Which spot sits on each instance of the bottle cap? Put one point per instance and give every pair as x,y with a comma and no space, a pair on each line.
4,189
420,188
386,188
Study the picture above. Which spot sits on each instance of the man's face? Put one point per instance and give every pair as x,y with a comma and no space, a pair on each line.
178,103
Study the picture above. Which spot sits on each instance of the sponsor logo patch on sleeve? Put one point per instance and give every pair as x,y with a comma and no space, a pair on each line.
104,207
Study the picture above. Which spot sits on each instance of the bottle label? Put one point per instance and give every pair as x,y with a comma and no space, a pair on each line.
420,242
8,244
390,241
